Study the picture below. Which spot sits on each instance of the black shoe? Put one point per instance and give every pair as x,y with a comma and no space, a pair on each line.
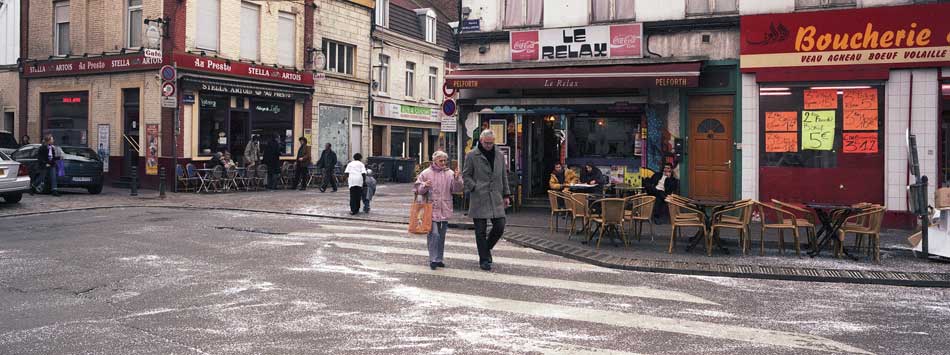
433,266
334,190
56,193
440,264
323,190
485,266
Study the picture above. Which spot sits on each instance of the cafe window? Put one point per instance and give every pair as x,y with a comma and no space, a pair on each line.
612,137
709,7
821,126
522,13
270,118
66,117
250,31
611,10
134,16
213,124
416,148
397,141
61,28
286,35
339,57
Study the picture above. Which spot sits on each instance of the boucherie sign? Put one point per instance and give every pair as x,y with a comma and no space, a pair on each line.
901,36
591,42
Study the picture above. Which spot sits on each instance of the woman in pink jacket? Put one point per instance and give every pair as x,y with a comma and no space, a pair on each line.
438,182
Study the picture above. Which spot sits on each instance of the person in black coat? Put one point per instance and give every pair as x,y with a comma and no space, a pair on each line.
327,164
272,160
659,186
591,175
46,157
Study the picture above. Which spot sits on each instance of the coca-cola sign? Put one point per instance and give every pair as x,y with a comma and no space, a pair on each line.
577,43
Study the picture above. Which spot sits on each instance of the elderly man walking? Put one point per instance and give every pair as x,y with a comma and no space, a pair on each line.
486,181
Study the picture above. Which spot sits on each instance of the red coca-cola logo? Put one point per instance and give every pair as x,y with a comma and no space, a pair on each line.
627,41
522,46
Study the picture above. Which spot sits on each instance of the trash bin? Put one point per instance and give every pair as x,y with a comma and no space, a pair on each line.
404,170
383,167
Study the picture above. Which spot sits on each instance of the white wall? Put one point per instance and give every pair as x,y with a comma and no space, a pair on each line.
660,10
565,13
489,11
923,120
750,137
10,32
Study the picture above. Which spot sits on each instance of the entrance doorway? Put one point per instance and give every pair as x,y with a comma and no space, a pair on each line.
240,134
130,130
711,147
540,154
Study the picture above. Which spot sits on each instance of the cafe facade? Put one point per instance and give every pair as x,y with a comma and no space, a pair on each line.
830,98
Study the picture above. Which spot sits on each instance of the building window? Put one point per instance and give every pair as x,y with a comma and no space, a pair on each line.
382,13
208,24
430,27
286,33
61,30
816,4
433,82
383,73
612,137
66,117
397,141
611,10
250,31
707,7
522,13
134,15
339,57
410,78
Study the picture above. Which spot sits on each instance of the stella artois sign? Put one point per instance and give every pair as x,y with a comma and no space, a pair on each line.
577,43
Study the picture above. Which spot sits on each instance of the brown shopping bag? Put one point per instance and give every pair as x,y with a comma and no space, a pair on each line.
420,216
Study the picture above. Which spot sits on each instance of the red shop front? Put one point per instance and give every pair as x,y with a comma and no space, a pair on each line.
834,95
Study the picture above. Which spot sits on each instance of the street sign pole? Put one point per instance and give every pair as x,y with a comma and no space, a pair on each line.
176,127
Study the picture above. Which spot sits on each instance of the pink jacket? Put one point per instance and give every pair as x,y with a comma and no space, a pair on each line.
443,184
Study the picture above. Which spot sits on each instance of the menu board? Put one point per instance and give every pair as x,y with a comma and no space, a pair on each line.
818,130
859,142
781,142
781,121
821,99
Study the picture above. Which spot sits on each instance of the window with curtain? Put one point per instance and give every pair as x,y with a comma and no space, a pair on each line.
208,24
410,78
339,57
250,31
611,10
134,16
430,29
383,73
382,13
433,82
286,35
522,13
61,33
706,7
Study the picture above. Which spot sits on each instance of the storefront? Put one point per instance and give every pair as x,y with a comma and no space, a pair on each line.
832,96
226,103
406,131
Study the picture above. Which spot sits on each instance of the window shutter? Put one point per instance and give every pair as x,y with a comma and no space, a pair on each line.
250,31
207,27
286,32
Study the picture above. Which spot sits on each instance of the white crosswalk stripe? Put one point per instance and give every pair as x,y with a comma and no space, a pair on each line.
632,320
411,239
559,265
635,291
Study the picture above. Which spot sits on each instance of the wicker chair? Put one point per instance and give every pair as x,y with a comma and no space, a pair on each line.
784,219
873,216
611,215
807,219
579,211
640,212
737,217
559,207
684,216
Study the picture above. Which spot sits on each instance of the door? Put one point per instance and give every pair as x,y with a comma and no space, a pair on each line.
130,130
240,128
711,147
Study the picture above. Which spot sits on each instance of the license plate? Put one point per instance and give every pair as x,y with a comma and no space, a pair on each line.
82,179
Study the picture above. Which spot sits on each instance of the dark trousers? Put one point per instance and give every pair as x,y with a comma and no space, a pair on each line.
486,242
356,195
300,176
272,178
48,176
329,177
660,211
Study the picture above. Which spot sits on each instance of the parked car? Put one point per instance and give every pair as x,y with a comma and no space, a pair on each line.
14,179
83,167
8,142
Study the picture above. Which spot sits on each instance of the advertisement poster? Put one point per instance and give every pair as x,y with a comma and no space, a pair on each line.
103,149
151,149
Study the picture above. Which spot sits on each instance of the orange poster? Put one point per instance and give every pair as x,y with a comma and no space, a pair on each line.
860,99
781,142
781,121
820,99
860,120
859,142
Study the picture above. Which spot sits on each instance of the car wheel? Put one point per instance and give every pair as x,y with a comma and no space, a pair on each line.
95,190
13,198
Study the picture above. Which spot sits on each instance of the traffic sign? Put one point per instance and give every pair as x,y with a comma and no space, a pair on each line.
168,73
448,91
449,107
168,89
169,102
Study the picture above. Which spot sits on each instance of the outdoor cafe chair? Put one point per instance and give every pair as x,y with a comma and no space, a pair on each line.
807,221
784,219
186,182
216,181
738,217
203,180
559,208
640,212
872,229
286,174
244,178
684,216
579,211
230,178
611,215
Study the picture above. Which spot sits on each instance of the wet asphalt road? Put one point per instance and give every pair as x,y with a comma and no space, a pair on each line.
165,281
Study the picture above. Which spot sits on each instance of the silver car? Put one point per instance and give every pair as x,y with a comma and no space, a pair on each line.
14,179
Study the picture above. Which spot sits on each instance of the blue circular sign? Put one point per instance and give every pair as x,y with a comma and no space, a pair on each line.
449,107
168,73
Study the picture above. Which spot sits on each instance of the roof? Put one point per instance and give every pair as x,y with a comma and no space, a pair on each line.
446,9
404,21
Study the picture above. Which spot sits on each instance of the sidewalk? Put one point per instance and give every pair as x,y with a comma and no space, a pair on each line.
529,228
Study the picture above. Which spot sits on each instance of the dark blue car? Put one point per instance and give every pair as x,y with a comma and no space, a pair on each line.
83,167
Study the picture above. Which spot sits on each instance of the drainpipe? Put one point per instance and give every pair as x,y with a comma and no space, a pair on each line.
369,110
910,114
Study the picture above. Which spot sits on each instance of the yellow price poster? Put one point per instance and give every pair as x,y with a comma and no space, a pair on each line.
818,130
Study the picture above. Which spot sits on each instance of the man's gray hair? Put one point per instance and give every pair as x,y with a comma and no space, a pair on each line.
439,154
486,134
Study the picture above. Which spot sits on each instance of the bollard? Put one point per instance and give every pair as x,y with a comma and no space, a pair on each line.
161,182
135,181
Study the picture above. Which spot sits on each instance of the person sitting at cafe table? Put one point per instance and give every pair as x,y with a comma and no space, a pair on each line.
659,186
591,175
561,178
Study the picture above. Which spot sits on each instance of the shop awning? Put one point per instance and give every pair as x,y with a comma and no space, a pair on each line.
586,77
244,87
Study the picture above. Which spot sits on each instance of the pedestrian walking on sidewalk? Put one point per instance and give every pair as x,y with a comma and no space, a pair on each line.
486,180
252,152
369,189
438,183
327,164
48,156
272,160
303,165
355,172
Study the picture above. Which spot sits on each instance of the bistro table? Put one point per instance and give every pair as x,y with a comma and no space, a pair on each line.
832,217
204,176
624,191
709,208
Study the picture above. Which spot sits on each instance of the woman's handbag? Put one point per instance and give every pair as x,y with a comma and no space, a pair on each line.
420,216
